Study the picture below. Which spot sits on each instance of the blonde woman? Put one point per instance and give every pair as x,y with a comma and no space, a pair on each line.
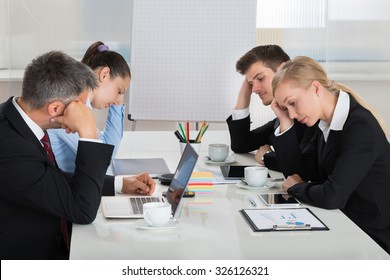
347,164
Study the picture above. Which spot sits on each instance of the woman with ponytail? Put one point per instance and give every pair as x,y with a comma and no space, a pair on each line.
113,76
347,164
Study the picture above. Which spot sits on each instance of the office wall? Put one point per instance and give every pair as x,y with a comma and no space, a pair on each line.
9,88
374,92
87,24
30,28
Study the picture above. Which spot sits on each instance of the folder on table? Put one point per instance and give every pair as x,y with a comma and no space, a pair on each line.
282,219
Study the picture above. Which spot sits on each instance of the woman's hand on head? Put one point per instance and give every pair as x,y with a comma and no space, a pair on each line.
282,115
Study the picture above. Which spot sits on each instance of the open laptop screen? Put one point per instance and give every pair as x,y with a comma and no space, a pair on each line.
182,176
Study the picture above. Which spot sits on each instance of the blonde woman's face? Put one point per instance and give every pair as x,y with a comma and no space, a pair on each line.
300,104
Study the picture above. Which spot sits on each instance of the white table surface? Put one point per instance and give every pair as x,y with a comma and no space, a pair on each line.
211,227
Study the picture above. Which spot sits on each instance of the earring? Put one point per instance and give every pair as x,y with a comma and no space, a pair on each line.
318,95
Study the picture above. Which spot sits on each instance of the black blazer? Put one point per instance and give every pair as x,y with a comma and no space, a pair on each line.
244,140
351,171
34,194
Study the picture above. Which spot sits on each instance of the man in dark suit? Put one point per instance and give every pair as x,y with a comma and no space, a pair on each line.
259,66
36,198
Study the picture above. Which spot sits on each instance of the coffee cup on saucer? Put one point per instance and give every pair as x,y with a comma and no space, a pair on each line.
218,152
157,214
256,176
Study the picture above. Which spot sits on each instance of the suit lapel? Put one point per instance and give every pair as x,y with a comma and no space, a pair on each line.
326,151
320,150
20,126
333,137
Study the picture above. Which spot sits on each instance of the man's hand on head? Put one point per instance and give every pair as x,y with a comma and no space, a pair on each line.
77,117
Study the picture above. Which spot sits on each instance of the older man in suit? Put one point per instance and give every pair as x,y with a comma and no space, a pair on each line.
37,200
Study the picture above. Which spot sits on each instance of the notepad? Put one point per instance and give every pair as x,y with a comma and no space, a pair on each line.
282,219
201,182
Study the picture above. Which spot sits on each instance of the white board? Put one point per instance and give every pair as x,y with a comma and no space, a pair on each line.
183,57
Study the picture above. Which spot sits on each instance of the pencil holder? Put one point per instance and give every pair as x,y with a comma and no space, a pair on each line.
194,145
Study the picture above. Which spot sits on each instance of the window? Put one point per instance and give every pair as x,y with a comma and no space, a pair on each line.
350,37
30,28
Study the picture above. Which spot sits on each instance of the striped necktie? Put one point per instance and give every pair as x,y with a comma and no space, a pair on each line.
47,146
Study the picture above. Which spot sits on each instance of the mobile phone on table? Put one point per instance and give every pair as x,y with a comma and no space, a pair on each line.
233,172
279,200
186,194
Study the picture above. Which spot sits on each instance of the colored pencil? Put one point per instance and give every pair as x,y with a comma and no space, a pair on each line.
188,131
182,131
197,139
204,130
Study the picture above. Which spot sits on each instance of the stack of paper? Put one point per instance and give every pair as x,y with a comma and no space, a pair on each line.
201,182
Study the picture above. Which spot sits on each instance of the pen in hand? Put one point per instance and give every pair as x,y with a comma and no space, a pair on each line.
252,201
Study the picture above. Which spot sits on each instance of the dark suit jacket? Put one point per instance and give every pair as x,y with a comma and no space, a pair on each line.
351,171
244,140
34,194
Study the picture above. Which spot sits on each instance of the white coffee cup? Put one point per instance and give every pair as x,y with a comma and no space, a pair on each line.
218,152
256,176
157,214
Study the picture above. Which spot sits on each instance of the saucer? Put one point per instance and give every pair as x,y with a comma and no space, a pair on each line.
229,160
267,185
141,224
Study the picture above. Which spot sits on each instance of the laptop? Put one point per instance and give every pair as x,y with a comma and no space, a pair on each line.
131,206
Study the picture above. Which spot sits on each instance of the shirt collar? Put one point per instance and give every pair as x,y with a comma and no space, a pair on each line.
340,115
36,129
88,103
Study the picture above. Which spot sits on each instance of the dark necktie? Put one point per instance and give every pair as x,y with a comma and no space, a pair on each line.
64,228
46,145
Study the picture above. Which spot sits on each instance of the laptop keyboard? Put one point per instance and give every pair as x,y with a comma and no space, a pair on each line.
137,202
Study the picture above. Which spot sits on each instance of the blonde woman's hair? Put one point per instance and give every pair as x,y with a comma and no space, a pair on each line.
302,71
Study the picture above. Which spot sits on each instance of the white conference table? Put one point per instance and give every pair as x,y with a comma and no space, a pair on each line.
210,226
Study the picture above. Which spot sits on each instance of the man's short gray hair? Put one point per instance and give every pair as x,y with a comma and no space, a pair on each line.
55,76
